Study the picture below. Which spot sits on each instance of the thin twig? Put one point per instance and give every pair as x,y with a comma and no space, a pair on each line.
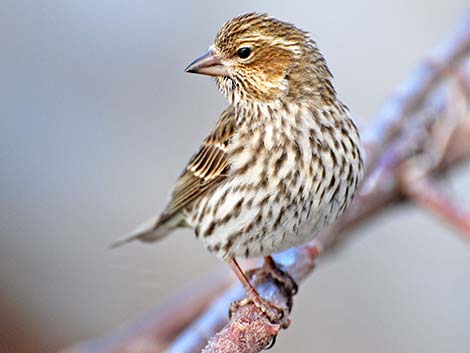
426,193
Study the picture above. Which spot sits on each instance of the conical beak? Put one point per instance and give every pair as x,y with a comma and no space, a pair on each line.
208,64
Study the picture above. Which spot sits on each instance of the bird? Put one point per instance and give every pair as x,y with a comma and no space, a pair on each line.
283,160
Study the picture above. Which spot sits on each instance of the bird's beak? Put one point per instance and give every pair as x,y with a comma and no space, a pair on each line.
208,64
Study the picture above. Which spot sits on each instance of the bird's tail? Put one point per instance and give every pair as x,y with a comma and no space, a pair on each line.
151,231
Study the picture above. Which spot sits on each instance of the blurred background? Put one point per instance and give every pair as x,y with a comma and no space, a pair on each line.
97,119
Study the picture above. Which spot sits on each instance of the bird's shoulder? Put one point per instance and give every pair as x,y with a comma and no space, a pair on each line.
207,168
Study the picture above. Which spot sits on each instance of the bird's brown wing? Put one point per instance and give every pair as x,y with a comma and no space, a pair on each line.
207,168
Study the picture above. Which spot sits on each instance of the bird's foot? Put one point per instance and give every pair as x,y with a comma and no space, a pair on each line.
268,272
274,313
280,275
275,271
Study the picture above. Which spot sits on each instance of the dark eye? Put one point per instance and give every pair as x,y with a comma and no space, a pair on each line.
244,52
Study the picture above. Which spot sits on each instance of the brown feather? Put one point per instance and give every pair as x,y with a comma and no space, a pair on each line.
207,168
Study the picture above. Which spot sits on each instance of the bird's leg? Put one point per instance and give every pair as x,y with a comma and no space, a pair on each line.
280,275
270,267
274,313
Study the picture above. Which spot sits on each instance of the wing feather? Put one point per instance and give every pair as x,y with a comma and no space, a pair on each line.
206,169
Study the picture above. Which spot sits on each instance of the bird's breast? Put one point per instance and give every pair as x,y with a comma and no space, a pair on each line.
287,180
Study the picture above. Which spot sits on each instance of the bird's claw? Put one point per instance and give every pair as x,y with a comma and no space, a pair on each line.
274,313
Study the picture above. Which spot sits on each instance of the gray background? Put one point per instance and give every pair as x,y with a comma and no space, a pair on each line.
98,119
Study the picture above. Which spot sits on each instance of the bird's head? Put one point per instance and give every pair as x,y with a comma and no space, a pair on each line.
256,57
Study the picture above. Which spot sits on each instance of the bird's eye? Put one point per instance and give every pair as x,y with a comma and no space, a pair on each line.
244,52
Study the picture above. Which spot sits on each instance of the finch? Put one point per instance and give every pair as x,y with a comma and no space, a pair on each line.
281,163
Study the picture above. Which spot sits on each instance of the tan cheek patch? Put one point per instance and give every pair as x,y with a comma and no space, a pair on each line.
273,63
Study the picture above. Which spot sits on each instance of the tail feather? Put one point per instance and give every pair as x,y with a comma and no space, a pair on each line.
150,231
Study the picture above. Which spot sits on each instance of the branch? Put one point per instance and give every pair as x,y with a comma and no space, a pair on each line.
155,330
426,193
415,176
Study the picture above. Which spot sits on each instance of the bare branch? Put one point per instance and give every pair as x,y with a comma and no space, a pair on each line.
153,332
429,195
